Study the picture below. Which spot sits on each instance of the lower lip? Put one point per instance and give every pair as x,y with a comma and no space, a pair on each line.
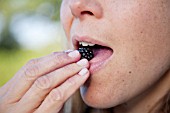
95,66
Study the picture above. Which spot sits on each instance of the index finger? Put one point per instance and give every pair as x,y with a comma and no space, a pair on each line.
36,68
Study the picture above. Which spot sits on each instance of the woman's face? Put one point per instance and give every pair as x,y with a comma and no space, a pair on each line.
137,36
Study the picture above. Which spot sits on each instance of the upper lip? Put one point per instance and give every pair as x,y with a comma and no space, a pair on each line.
76,39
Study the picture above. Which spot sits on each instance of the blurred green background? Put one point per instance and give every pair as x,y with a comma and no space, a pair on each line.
28,29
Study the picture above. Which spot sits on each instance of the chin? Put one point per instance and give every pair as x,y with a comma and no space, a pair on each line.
96,101
101,97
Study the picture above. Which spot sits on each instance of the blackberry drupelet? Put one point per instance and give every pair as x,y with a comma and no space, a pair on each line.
86,52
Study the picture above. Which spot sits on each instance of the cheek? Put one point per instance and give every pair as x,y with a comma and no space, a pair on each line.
142,33
66,17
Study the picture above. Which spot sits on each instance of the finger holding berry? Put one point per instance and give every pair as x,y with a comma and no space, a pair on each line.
44,84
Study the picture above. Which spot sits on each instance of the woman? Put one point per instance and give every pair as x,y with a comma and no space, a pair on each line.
130,71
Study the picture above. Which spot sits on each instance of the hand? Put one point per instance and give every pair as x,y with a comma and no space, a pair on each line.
44,84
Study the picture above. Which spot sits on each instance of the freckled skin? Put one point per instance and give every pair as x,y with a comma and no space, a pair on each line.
139,33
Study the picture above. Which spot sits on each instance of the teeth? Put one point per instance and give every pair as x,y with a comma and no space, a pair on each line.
86,44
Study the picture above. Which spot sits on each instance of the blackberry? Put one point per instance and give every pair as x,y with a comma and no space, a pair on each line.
86,52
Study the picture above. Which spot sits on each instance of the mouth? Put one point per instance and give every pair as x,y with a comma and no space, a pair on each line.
98,53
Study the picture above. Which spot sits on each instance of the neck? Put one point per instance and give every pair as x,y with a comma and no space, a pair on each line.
150,102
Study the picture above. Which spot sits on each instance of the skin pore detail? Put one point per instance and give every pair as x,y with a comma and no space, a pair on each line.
138,32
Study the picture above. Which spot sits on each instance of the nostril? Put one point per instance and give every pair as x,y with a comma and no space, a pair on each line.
86,12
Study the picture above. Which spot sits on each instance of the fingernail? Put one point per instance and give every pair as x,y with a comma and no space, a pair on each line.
83,72
74,54
68,51
83,62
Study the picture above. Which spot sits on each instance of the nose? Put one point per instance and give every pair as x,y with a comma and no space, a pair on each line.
80,8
